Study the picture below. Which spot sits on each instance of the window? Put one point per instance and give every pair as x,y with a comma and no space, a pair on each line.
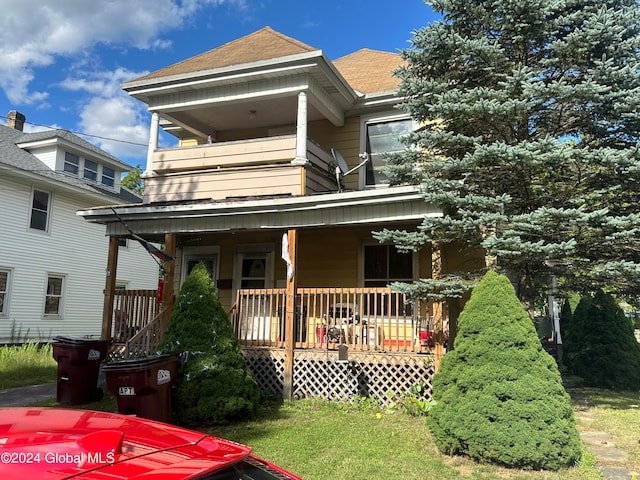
384,264
71,163
90,170
382,136
108,176
4,291
40,205
53,298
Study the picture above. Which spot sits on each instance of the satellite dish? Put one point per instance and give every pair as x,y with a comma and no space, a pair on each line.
342,169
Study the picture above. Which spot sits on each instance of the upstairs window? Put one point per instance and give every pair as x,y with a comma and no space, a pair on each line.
382,136
40,206
54,295
4,292
90,170
108,176
71,163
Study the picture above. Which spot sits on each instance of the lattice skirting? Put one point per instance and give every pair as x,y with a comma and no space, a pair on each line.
319,374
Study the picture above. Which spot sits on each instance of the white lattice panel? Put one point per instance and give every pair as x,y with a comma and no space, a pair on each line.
321,375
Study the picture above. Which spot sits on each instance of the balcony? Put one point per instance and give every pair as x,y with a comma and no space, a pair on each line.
245,168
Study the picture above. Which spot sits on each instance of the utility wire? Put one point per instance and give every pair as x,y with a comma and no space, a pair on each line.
83,134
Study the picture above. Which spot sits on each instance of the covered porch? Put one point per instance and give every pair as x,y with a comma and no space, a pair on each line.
299,277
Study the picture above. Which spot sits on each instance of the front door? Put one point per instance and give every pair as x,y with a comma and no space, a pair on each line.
254,270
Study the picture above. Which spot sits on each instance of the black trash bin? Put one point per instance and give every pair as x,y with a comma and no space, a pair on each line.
143,386
79,361
300,327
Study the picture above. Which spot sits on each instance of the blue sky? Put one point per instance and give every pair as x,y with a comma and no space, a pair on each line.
62,61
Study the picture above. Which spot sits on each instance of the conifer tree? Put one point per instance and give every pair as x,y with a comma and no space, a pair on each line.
528,140
603,350
214,385
498,396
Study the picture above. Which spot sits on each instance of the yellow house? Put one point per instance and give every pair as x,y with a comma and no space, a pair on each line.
275,183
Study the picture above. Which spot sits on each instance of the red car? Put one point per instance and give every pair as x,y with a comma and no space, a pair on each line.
51,443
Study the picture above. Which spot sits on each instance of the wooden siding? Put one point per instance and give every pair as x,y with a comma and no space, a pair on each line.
262,151
74,248
227,183
242,168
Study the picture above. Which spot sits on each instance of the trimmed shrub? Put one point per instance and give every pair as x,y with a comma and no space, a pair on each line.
214,385
604,351
498,395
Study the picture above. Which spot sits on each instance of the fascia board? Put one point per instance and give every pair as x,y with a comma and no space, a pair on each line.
360,198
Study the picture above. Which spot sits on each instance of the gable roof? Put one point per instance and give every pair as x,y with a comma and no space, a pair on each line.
17,159
264,44
369,71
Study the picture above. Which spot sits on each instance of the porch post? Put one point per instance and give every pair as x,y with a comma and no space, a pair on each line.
301,131
109,287
290,318
438,308
169,298
153,143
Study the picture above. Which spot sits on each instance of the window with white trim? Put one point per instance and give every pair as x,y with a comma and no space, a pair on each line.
71,163
90,170
108,176
5,282
380,135
40,208
54,295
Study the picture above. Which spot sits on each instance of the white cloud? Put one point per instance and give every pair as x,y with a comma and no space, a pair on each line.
35,33
37,37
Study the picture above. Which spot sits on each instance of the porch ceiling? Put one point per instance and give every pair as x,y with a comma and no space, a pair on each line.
386,205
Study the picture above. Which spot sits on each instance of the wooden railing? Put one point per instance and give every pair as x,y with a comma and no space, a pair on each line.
135,322
145,342
375,319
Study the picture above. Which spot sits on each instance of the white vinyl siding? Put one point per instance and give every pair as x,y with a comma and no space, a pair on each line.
74,247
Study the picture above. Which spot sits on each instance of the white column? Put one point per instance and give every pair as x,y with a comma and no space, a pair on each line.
153,143
301,130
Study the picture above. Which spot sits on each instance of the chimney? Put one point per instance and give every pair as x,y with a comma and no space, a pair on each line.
15,120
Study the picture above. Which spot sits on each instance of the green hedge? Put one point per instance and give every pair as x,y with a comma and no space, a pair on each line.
498,395
214,385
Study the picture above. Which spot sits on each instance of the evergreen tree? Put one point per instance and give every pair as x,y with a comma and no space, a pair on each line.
603,349
214,384
498,396
528,140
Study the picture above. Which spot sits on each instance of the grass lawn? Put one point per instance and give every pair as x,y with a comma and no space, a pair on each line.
319,440
27,364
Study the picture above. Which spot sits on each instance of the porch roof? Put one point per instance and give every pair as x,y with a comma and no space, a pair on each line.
384,205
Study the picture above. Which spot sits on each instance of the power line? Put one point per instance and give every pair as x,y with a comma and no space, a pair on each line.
83,134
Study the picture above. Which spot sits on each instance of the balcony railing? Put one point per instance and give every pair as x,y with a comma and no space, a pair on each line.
261,166
369,319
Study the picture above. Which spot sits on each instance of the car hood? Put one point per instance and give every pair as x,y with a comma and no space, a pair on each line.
54,443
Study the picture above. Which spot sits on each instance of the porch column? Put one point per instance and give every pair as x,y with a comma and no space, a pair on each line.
290,317
153,143
301,131
169,297
109,287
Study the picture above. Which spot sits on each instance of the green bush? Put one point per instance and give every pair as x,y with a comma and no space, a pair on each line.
498,395
603,350
214,385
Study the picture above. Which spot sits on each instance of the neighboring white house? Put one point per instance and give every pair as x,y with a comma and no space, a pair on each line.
52,262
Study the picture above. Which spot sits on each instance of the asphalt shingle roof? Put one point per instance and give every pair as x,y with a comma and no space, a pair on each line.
17,159
366,70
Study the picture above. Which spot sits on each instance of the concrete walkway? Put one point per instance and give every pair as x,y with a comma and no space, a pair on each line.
24,396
